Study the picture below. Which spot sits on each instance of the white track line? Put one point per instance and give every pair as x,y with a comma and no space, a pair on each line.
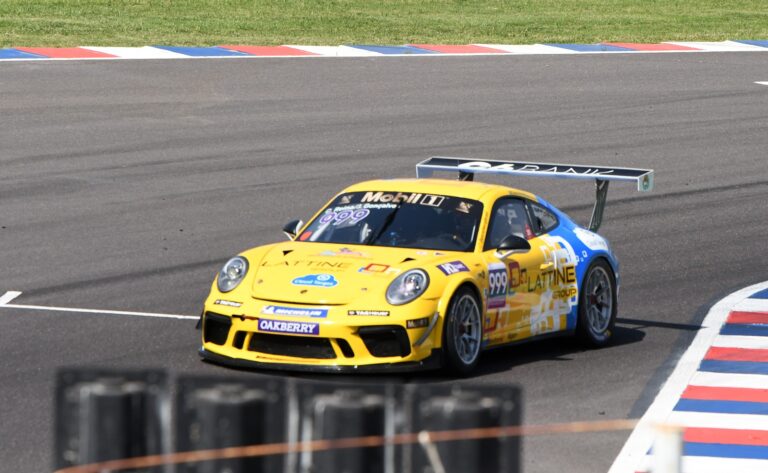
10,295
761,83
145,52
634,452
740,341
718,421
718,46
730,380
340,51
716,465
719,465
529,49
752,305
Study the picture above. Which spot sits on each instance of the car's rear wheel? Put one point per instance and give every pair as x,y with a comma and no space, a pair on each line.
462,333
597,305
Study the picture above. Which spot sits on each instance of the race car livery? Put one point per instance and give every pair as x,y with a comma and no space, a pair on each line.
419,273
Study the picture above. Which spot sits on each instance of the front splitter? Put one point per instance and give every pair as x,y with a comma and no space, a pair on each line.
432,362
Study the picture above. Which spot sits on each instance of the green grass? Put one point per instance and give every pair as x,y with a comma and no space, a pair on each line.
332,22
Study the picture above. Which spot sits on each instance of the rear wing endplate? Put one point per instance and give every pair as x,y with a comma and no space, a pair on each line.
467,168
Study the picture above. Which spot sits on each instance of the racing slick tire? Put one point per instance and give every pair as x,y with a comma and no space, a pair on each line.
462,333
597,305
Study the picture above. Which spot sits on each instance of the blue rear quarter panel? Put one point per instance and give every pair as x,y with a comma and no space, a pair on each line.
587,246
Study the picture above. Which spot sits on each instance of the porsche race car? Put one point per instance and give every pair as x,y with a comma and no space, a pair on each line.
421,273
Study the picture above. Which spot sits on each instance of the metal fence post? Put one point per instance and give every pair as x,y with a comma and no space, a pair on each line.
667,449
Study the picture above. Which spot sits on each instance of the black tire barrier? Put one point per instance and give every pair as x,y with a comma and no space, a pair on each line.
443,408
214,413
104,415
337,411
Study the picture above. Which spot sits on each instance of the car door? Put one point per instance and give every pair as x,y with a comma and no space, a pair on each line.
556,285
511,290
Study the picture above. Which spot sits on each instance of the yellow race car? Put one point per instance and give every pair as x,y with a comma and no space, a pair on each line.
419,273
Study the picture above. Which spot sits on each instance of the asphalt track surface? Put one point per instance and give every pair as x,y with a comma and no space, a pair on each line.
125,185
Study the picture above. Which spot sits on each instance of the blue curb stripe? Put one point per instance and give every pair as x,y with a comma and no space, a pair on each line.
753,330
762,44
758,452
10,53
722,407
742,367
586,48
764,293
201,52
392,49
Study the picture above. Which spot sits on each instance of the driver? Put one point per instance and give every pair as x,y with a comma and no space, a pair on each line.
462,227
508,220
458,226
416,224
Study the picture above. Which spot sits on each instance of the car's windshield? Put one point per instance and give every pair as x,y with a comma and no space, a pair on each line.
401,219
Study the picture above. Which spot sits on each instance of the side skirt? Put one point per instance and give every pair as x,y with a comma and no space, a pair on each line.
537,338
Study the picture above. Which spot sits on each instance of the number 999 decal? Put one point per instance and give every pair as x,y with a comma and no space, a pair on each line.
339,217
498,283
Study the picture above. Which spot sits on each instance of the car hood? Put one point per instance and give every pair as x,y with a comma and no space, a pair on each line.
333,274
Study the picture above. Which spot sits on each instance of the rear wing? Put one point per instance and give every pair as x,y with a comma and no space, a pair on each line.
467,168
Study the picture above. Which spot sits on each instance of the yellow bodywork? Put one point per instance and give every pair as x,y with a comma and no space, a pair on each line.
360,275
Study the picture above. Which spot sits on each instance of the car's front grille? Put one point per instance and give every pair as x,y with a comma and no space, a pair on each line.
345,348
386,340
216,328
299,347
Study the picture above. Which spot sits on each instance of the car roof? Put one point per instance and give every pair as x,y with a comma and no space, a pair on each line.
466,189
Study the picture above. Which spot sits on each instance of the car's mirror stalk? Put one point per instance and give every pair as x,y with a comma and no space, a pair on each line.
512,244
291,229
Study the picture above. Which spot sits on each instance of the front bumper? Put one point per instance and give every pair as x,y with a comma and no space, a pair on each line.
332,342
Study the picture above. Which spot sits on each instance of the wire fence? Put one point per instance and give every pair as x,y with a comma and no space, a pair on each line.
424,438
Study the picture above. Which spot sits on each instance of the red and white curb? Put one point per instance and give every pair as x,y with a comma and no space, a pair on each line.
362,50
717,394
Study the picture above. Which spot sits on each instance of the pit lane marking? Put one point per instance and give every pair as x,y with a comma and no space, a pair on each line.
762,83
11,295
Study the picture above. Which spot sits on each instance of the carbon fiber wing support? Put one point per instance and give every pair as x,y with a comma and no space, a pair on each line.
467,168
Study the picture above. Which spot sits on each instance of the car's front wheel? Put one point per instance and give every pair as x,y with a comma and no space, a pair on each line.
597,305
462,333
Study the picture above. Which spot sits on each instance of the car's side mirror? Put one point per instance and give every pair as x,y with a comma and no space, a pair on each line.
291,229
512,244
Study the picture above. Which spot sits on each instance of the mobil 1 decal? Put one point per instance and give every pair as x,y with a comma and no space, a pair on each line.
498,283
403,198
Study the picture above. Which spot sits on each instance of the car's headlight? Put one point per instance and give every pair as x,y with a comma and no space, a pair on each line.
407,287
232,273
